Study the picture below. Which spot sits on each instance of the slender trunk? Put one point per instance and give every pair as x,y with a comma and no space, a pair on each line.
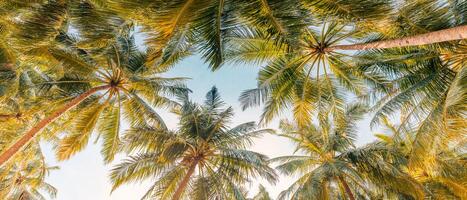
456,33
186,179
9,66
28,136
347,188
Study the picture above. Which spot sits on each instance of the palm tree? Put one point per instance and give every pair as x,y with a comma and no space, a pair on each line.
375,16
426,85
413,23
29,30
330,167
308,79
203,159
24,179
284,80
101,85
21,102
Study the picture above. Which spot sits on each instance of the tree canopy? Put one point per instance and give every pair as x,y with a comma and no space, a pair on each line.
71,71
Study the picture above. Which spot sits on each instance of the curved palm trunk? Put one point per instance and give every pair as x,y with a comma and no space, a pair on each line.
186,179
456,33
28,136
7,116
347,188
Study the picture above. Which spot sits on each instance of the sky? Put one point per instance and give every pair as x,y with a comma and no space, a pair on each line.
85,177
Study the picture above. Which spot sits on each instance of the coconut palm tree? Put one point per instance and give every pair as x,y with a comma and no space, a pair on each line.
306,80
330,167
202,159
283,81
426,85
24,178
101,86
29,30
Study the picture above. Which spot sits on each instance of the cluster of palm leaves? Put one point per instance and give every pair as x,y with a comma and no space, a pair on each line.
70,71
25,178
203,152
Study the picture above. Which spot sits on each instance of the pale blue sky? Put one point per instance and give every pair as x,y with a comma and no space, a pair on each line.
85,177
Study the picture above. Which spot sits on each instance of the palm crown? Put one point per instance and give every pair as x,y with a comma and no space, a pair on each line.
109,82
202,158
128,87
307,79
330,167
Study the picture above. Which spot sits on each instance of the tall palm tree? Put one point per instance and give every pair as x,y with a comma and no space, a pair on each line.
202,159
29,30
101,85
306,80
380,15
283,81
24,179
330,167
21,102
426,85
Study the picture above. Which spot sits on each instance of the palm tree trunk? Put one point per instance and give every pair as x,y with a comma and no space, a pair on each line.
347,188
456,33
186,179
28,136
7,116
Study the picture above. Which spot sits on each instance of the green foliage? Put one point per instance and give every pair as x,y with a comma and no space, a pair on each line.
329,163
203,141
306,80
53,52
25,178
177,28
